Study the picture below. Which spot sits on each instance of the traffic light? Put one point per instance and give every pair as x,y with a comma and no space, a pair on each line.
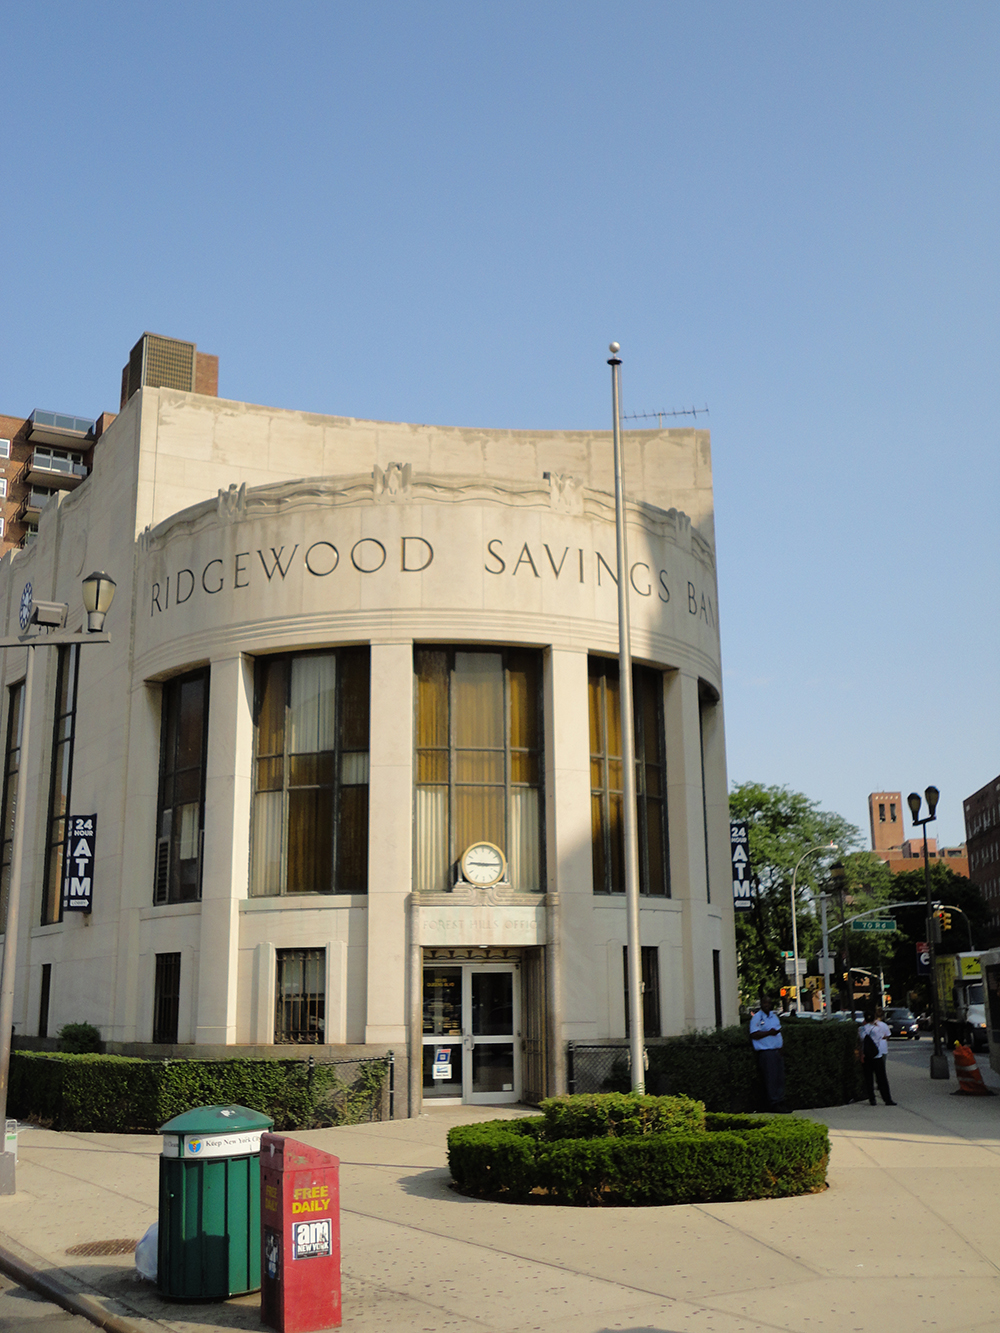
936,927
946,921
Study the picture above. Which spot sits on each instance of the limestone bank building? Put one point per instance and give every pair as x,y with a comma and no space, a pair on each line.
354,749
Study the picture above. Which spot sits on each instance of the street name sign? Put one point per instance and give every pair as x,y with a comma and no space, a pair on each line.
866,926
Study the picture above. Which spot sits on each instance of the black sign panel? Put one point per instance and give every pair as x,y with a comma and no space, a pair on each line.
739,837
78,863
312,1240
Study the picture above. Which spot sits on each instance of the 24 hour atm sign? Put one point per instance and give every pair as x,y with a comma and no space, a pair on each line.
739,837
78,863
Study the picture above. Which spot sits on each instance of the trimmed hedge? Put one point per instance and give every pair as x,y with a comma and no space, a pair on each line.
122,1094
720,1069
734,1157
616,1115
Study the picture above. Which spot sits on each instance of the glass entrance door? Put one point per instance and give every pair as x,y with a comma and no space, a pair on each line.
471,1020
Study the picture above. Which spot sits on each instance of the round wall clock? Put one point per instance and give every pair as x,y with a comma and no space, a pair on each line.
483,864
27,602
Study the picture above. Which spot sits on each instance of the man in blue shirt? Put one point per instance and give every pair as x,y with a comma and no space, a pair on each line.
765,1034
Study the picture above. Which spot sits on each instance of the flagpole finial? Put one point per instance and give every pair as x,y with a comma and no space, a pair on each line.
614,348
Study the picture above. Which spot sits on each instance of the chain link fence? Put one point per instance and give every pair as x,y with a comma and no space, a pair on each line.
352,1091
597,1068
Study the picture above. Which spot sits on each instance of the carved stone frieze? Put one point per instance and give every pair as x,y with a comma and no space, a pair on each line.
565,493
467,895
232,503
393,484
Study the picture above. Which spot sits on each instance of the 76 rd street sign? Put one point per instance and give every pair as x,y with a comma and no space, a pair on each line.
865,926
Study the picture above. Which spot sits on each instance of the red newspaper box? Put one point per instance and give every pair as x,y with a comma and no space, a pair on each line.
300,1236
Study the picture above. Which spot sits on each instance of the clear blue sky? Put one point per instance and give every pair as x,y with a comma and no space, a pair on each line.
444,212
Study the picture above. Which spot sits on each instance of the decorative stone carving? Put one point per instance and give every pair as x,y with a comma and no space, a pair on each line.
565,493
233,503
392,484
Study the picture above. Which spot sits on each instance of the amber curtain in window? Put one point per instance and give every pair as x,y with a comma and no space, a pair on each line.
181,814
607,783
478,760
310,816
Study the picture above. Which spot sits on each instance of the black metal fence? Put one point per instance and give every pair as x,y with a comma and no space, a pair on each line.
597,1068
352,1091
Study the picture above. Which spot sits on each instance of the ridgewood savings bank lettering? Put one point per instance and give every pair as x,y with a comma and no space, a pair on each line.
371,556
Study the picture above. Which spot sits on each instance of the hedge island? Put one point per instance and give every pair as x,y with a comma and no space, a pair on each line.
615,1149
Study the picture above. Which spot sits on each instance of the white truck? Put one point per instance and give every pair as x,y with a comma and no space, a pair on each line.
959,981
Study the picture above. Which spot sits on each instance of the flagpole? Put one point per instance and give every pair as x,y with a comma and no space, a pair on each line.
637,1044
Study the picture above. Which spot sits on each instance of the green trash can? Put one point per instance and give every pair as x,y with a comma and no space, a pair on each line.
209,1224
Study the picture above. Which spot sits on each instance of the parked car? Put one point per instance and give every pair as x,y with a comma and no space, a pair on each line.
902,1023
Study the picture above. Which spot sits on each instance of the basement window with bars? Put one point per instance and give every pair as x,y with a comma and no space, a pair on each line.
43,1000
650,957
181,807
300,997
166,998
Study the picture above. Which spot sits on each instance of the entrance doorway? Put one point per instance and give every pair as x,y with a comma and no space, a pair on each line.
472,1026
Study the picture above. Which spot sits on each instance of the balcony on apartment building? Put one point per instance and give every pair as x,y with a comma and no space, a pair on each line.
54,464
34,502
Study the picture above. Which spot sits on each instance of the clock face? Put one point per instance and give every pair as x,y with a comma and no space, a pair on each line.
27,601
483,864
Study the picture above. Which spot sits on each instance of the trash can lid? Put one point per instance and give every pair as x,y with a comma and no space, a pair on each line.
217,1120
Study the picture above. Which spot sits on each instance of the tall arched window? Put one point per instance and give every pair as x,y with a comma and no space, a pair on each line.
607,782
310,815
478,761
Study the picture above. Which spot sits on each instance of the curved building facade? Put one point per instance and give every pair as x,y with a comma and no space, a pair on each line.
354,749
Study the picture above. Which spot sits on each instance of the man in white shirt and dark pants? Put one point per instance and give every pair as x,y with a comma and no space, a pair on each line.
873,1053
765,1033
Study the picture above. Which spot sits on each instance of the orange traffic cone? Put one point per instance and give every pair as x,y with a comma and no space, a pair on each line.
970,1080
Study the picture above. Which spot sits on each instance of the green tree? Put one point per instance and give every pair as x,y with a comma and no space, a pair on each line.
867,885
903,981
783,826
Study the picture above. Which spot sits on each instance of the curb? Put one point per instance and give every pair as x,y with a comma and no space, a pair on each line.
30,1274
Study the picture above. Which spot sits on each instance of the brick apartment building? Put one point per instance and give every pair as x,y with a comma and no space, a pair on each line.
982,836
52,452
886,813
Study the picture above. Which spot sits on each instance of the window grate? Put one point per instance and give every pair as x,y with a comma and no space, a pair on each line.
166,998
300,997
43,1003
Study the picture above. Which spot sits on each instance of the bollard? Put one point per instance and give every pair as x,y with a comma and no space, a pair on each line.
300,1236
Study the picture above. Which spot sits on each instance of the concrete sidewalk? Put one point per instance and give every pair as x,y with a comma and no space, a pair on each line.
905,1237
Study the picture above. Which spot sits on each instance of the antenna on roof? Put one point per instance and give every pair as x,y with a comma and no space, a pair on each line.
682,412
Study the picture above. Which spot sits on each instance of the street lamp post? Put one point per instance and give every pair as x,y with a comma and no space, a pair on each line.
939,1061
822,847
98,592
637,1036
